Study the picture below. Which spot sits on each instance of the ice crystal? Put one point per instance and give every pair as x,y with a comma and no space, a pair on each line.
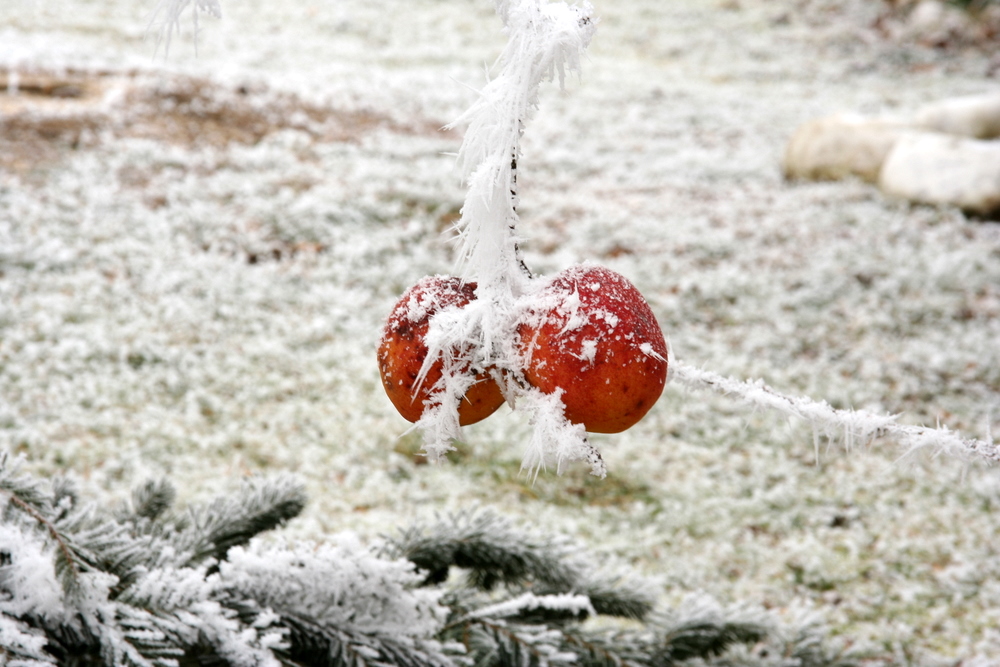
166,19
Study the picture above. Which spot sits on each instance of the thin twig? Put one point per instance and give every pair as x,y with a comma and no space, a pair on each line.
53,531
852,425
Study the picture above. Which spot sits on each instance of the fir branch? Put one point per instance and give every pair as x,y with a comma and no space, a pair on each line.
70,643
64,497
608,649
531,608
30,491
808,646
28,496
111,542
229,521
67,564
698,638
169,612
339,603
620,596
498,643
84,541
23,645
853,426
319,645
339,595
152,499
108,546
697,630
490,549
494,552
701,628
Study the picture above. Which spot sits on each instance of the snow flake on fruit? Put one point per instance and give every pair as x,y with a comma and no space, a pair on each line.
588,350
569,309
610,318
647,349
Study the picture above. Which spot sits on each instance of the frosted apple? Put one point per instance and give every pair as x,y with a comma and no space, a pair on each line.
402,351
592,335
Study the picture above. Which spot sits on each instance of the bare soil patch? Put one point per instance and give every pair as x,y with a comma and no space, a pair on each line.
44,115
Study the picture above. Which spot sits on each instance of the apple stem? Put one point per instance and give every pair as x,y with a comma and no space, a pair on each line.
514,201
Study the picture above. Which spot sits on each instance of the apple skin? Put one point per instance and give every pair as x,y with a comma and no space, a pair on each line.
596,339
402,350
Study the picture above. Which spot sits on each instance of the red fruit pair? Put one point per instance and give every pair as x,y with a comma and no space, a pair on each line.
589,333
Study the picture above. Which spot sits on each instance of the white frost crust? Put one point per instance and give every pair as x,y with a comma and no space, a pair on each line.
483,334
340,583
545,39
575,604
32,587
554,440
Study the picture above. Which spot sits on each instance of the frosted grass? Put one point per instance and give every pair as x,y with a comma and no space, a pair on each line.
137,340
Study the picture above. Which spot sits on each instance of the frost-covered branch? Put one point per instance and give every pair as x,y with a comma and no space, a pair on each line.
490,548
545,40
229,521
850,426
564,603
165,19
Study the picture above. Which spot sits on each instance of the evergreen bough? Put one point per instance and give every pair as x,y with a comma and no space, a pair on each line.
146,584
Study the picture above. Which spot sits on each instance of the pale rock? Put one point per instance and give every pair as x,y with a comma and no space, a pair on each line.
843,145
975,116
936,22
943,169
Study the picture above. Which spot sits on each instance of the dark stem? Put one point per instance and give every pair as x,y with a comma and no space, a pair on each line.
63,547
513,196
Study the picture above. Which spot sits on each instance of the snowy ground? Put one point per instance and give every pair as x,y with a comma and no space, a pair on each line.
172,305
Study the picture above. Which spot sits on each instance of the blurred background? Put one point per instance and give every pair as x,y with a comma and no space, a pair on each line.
198,246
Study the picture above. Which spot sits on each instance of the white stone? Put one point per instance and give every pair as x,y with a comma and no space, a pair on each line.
842,145
940,169
975,116
936,22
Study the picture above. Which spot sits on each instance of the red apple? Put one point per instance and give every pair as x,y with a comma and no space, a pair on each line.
402,351
594,337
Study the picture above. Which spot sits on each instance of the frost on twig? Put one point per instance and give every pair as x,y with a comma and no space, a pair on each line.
545,40
166,19
853,426
555,440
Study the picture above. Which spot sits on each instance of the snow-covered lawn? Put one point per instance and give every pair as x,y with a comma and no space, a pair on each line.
173,305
